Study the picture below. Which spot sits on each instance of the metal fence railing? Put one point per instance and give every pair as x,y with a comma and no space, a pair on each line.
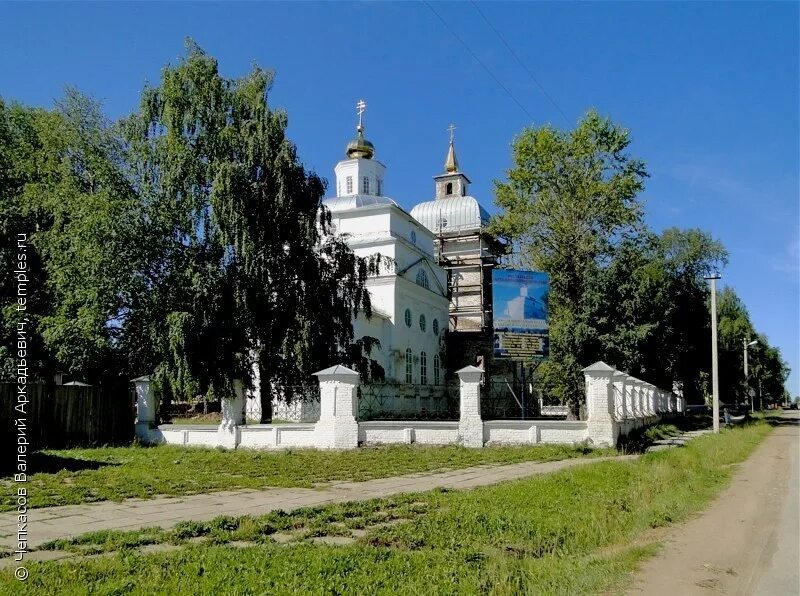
396,401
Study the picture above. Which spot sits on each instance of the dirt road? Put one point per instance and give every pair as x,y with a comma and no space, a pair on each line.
748,541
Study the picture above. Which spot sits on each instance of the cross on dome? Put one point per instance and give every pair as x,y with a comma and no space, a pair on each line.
360,147
361,107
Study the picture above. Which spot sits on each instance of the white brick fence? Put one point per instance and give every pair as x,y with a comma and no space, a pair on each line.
616,404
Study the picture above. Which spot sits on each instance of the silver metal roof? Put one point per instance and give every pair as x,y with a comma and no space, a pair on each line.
355,201
451,214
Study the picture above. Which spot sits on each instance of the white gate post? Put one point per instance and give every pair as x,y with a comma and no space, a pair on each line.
603,430
228,432
338,404
470,424
145,408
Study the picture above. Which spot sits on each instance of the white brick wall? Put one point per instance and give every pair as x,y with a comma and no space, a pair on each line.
615,406
408,432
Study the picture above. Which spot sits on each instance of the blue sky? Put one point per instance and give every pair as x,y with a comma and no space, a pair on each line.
708,90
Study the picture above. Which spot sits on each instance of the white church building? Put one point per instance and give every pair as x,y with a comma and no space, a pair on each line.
409,294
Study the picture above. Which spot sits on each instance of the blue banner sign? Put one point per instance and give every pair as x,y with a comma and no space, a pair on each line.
520,314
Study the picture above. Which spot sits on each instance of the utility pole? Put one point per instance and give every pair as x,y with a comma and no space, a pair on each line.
747,344
714,363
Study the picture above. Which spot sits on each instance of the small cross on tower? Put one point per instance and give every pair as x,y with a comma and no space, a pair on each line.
452,130
361,107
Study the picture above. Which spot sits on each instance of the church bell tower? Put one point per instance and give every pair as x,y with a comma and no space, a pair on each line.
453,183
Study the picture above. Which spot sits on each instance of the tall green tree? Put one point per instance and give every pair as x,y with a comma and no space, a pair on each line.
242,269
65,188
568,200
653,314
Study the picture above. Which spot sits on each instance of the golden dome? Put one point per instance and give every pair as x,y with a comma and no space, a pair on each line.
360,147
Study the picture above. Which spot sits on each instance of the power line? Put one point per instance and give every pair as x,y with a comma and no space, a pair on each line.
520,62
478,60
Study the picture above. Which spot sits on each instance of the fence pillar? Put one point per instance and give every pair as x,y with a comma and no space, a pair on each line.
619,407
645,391
338,404
145,407
653,399
470,424
603,430
228,432
630,397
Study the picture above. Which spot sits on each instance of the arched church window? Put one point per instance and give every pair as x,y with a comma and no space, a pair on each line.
365,185
448,189
379,189
348,182
408,317
435,326
422,323
422,279
413,237
409,365
423,368
436,364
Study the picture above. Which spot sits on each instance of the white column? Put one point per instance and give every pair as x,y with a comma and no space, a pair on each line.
630,396
643,398
636,396
620,406
470,424
145,407
337,427
600,404
228,431
650,392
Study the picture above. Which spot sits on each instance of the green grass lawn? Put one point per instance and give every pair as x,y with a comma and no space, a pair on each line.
579,531
114,473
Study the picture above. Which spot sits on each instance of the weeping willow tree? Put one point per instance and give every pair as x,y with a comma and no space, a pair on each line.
241,269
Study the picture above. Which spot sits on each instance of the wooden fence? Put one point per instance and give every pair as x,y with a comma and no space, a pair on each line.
64,416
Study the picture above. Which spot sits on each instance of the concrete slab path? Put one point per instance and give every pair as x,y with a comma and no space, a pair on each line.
72,520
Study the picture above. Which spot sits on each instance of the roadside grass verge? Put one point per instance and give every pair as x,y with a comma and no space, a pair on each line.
74,476
571,532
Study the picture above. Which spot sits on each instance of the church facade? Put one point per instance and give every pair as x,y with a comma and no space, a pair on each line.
432,293
409,293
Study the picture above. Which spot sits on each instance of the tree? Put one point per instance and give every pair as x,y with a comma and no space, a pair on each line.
767,371
652,313
66,190
18,146
569,199
242,269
